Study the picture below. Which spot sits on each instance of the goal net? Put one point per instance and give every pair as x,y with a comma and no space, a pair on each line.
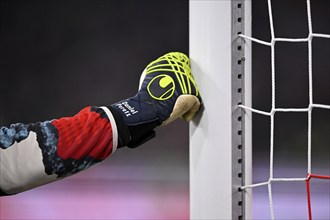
290,110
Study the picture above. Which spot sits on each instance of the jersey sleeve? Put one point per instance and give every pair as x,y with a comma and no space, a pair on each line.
38,153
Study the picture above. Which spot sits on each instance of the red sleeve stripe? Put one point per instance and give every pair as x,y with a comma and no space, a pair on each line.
85,134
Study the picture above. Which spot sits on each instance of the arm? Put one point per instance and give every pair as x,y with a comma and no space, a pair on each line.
35,154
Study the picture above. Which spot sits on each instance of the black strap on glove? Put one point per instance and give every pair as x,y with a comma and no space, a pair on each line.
133,135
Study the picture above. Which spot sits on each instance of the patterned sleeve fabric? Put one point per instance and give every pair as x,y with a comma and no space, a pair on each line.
35,154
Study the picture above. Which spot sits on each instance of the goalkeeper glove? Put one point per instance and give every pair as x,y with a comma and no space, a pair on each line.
167,91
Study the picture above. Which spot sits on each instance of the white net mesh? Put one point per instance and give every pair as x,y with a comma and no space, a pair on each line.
274,109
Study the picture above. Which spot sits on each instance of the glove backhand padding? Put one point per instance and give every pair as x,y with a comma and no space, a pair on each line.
177,87
167,91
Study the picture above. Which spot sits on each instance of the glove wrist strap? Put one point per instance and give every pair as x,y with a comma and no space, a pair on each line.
133,135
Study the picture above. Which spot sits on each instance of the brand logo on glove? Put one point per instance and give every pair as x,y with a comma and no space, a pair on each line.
161,87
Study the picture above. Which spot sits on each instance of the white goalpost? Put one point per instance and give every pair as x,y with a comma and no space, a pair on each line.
220,137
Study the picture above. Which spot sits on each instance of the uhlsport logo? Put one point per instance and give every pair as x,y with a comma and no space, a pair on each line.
161,87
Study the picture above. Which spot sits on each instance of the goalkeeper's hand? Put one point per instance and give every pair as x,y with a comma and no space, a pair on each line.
167,91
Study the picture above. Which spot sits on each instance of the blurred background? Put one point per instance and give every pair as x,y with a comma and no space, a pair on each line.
57,57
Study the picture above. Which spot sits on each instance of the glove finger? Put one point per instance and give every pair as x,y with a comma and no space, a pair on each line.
190,114
185,106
